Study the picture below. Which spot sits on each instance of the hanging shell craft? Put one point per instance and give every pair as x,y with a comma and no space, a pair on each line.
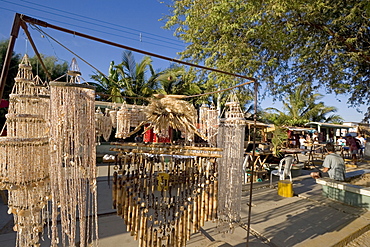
24,155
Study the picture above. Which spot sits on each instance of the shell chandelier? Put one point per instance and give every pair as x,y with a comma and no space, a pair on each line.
208,123
123,122
103,124
73,168
231,140
24,155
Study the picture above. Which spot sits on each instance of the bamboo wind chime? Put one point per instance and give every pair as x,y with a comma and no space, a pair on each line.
73,168
164,194
24,155
231,140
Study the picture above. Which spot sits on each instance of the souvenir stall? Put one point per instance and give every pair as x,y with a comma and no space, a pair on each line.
165,193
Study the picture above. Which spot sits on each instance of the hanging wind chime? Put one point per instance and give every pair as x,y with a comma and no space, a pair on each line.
103,125
24,155
123,122
73,169
208,123
163,194
231,140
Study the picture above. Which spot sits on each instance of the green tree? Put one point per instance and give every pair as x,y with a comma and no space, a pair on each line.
108,85
301,107
54,67
177,80
132,78
320,43
12,73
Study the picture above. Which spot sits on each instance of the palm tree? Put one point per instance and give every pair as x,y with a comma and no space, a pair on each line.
109,84
176,80
300,107
132,78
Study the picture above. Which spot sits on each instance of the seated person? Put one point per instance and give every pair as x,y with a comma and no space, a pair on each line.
333,165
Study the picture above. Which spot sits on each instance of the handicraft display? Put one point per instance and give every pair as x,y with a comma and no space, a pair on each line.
209,123
231,140
103,124
73,169
165,193
24,155
123,122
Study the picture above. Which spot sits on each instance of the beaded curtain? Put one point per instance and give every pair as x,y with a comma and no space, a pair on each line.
73,169
231,139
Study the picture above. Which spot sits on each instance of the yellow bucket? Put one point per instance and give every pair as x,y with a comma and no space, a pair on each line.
285,188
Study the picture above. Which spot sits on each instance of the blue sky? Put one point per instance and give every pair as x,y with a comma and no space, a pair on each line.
134,23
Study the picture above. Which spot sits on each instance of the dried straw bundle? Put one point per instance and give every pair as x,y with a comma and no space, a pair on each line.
171,112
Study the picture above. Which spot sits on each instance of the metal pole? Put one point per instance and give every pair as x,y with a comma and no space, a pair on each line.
9,53
253,159
47,25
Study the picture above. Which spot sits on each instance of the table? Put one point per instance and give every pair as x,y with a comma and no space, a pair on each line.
294,151
313,149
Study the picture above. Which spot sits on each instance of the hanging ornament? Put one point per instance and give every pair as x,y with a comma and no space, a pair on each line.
24,155
26,178
73,169
103,125
163,198
202,119
113,117
212,123
123,122
137,116
231,140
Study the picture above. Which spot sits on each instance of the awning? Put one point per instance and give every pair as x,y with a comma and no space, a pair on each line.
292,128
328,125
258,124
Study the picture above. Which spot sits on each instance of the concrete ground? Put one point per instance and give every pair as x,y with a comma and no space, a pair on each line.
306,219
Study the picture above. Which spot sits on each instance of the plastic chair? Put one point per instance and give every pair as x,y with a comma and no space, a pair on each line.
285,171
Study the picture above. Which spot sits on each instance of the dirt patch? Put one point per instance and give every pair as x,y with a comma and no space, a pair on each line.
363,180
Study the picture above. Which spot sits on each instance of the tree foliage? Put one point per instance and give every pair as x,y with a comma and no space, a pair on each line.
108,85
54,67
132,77
13,68
319,43
301,107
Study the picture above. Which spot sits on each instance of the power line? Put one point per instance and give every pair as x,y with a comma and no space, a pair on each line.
101,21
109,33
34,21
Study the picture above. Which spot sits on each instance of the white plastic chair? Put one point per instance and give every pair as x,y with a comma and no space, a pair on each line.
285,171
